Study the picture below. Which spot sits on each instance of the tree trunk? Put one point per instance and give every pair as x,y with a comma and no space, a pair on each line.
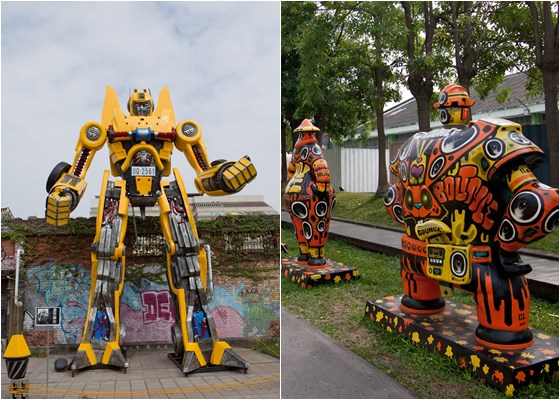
284,164
383,182
552,120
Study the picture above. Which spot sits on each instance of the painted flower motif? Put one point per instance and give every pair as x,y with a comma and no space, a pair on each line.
495,351
449,352
541,335
509,390
378,316
527,355
356,273
448,333
337,279
486,369
520,376
501,359
430,339
415,337
463,311
475,361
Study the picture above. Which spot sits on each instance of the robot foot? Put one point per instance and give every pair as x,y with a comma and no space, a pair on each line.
504,340
88,357
224,355
316,262
303,258
414,306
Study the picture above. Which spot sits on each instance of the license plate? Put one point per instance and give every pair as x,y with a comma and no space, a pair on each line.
143,171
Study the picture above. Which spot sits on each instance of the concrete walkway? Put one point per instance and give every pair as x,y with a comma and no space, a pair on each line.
316,367
152,375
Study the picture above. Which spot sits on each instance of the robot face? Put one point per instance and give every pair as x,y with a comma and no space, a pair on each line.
420,203
141,108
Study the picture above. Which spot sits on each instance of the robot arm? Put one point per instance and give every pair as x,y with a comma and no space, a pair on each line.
219,177
66,183
531,212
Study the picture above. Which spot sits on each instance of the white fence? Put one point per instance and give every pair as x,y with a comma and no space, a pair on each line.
356,170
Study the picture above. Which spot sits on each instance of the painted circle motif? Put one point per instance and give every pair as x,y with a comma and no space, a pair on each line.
332,204
518,138
321,226
457,140
551,222
389,197
307,230
458,264
398,212
436,167
494,148
316,150
405,149
403,172
507,231
299,209
525,207
304,153
321,209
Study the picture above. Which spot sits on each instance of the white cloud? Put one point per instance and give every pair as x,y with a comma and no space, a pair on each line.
221,61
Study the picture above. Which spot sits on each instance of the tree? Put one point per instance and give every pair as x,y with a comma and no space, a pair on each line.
545,33
423,63
532,28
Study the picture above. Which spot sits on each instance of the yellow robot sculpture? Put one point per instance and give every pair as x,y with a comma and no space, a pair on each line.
140,147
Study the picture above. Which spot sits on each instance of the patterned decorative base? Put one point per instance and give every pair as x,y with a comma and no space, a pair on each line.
451,333
307,277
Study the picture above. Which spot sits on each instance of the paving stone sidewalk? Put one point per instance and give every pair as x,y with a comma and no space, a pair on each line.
152,375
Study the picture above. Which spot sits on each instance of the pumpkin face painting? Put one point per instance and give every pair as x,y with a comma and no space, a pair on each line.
468,201
309,196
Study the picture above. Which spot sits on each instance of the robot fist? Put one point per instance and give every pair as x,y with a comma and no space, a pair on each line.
237,175
65,191
226,177
58,207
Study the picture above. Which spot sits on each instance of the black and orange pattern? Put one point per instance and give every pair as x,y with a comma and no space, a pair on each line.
309,196
469,201
451,334
330,272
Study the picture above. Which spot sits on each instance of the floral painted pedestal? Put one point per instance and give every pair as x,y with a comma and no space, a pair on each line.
451,333
331,272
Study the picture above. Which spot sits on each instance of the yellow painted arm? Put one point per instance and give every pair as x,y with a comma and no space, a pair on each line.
219,177
66,184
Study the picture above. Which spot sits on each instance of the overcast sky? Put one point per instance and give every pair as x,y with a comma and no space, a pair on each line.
221,61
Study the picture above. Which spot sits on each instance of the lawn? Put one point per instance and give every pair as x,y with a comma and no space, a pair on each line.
338,311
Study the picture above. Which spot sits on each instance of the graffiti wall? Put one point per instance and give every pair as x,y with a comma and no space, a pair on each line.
241,307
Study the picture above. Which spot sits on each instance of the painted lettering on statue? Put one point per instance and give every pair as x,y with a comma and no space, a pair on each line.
468,188
156,306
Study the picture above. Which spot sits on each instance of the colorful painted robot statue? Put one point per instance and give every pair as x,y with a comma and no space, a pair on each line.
309,196
140,147
468,200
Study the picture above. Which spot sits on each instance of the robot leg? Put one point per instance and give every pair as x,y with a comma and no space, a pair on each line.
103,335
195,338
502,305
421,294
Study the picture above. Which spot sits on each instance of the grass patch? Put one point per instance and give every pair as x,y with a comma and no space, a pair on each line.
368,207
338,311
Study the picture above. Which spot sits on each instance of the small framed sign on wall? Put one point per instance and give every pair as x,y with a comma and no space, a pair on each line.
47,316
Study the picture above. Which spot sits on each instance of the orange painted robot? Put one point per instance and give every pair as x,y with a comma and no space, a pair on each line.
468,200
309,196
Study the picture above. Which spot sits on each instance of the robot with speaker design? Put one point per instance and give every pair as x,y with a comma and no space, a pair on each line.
309,196
140,148
468,199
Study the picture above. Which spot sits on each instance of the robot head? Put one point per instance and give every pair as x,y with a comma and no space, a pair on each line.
140,103
454,104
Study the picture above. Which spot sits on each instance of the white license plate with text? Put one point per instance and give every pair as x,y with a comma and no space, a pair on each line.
143,171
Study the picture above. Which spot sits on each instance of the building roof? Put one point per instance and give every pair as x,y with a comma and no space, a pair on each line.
518,103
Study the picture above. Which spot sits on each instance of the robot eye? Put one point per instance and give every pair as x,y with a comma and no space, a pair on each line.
426,198
316,150
408,199
304,153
